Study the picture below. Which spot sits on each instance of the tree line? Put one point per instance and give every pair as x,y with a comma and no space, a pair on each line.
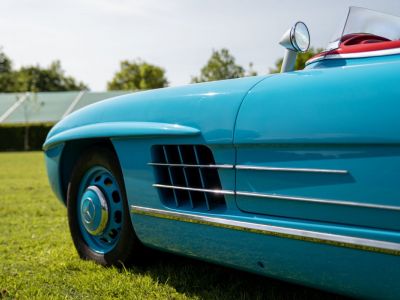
133,75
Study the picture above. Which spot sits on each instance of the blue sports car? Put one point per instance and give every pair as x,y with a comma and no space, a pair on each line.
293,175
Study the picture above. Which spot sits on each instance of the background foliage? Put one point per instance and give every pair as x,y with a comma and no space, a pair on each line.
20,137
138,75
222,65
133,75
35,78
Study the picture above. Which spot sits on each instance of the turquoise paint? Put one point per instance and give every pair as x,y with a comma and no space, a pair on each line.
355,273
333,115
119,130
341,117
139,177
52,161
354,104
210,107
372,179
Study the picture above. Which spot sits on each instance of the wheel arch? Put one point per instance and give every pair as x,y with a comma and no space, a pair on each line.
71,153
74,140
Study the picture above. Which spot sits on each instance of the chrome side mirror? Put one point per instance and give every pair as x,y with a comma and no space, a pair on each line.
295,39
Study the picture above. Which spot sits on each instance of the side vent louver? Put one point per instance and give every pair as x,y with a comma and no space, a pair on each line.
187,177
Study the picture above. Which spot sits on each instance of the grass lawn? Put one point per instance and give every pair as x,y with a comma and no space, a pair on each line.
38,259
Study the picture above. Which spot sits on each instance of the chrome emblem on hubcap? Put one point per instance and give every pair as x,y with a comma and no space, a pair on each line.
89,210
94,210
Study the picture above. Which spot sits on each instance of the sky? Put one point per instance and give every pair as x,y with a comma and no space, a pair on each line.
91,37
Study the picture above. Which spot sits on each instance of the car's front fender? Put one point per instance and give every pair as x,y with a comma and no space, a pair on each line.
119,129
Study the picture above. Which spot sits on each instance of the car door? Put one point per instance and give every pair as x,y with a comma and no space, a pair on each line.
323,145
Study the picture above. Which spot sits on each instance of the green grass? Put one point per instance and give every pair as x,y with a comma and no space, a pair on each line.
38,259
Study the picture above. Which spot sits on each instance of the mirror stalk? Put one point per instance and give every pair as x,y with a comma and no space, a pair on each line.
289,61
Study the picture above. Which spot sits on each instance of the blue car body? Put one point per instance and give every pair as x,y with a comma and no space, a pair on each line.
307,164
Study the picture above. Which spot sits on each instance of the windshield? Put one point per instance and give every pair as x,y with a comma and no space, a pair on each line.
363,20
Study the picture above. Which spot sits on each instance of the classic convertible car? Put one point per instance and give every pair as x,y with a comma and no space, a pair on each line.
293,175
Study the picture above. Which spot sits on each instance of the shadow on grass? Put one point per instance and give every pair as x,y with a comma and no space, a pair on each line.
209,281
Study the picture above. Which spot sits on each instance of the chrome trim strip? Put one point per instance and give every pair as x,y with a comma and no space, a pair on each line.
249,167
355,55
277,231
306,170
174,187
192,166
316,200
281,197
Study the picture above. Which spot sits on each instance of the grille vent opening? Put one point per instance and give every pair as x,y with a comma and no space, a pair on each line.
187,177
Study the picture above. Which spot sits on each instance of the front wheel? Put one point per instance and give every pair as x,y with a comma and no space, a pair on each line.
98,211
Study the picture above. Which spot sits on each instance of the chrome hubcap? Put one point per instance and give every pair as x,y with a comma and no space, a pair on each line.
100,209
94,210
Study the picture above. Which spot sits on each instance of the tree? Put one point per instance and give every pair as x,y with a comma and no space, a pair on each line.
52,79
7,82
5,63
6,79
221,65
300,61
251,71
35,78
138,75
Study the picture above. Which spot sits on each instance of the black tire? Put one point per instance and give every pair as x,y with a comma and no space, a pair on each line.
128,249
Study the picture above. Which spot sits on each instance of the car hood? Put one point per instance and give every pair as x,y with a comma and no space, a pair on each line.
209,107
